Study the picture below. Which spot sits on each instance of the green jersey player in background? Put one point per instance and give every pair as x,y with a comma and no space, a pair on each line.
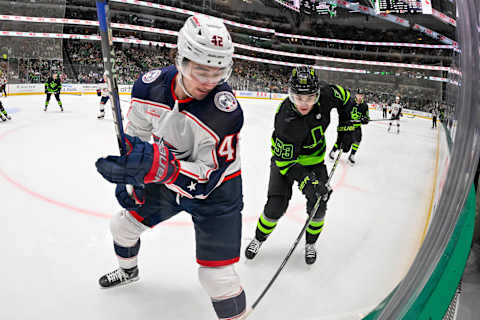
53,86
361,116
298,152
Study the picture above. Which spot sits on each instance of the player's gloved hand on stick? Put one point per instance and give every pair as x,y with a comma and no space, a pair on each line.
143,163
99,92
130,197
364,120
346,142
312,187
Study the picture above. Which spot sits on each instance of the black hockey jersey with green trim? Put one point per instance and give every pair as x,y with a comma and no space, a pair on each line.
299,139
53,85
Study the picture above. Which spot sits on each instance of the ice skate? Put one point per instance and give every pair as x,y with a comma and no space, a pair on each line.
351,159
118,277
101,114
310,253
3,117
61,109
253,248
333,154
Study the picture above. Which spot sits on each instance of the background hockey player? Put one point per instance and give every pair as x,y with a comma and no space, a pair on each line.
347,116
298,152
434,118
359,113
195,166
53,86
104,94
396,109
3,85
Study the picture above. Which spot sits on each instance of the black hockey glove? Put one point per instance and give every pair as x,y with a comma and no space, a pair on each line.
312,187
364,120
99,92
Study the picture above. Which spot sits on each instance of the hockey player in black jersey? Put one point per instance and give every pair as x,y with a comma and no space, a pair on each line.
298,152
359,113
53,85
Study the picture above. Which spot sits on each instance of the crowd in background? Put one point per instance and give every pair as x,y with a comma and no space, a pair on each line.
82,63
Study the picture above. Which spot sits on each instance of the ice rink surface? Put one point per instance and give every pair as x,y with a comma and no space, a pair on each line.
55,241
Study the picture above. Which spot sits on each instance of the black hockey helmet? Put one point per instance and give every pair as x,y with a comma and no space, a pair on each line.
359,95
304,80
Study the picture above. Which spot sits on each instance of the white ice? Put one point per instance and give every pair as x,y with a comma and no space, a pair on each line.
55,241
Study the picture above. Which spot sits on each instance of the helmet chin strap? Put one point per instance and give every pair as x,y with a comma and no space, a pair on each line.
180,83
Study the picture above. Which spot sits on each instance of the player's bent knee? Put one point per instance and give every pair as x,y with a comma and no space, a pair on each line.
223,286
275,207
125,229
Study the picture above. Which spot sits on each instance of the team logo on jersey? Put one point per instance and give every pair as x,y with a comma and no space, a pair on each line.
151,76
226,101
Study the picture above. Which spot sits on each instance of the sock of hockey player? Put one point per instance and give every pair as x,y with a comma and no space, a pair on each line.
265,227
314,229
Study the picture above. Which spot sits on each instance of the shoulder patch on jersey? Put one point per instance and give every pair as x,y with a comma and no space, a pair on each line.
225,101
151,76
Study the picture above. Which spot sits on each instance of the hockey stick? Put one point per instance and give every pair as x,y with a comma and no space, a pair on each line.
103,14
289,254
358,121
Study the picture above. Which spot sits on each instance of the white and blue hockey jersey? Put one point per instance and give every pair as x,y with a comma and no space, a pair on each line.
203,135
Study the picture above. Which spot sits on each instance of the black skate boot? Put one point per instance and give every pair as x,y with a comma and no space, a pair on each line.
351,159
61,109
333,154
118,277
310,253
253,248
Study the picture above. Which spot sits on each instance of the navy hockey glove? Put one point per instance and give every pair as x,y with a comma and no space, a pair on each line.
312,187
99,92
129,197
143,163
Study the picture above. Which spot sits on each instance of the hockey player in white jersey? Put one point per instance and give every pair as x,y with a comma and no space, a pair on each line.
105,96
396,112
194,165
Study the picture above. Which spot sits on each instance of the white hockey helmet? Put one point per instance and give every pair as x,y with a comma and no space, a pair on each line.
205,40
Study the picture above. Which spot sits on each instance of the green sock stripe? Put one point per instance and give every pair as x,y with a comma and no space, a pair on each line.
267,223
314,232
355,147
316,223
264,230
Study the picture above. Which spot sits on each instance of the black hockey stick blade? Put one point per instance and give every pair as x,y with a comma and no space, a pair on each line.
108,53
